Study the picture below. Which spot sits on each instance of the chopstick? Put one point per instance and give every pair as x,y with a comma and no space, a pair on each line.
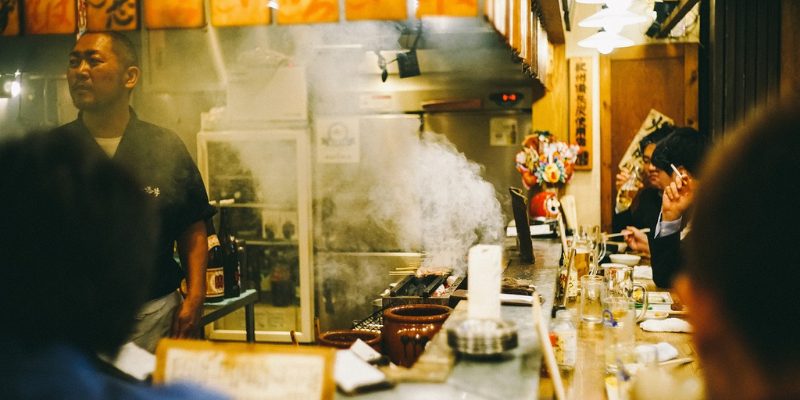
645,230
677,361
547,348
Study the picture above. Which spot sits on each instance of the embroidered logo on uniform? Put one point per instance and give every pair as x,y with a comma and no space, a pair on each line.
153,191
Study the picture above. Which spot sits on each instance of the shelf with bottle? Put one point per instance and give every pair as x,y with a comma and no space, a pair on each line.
272,242
263,206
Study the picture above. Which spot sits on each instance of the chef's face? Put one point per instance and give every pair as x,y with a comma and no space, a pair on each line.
96,75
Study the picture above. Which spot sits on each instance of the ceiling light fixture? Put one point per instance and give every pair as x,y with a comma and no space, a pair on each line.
273,4
612,19
605,42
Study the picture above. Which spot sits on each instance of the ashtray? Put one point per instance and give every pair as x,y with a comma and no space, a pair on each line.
482,337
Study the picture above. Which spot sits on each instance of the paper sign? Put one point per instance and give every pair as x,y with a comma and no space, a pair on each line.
502,131
633,156
580,109
108,15
375,9
49,16
308,11
450,8
239,13
248,371
338,140
173,14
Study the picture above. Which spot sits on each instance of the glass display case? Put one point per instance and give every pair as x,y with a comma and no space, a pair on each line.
267,175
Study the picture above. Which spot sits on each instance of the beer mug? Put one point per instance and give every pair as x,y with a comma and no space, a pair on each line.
618,280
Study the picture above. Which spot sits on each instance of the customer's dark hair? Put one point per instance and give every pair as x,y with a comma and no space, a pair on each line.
76,244
656,136
684,147
742,239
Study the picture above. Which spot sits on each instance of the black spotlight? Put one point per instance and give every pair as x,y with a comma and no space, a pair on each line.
407,64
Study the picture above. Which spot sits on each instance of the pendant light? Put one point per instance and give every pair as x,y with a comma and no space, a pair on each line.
605,42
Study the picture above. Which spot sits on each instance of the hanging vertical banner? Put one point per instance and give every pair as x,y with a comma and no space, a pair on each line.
112,15
239,12
488,10
308,11
375,9
580,109
525,30
9,17
49,16
449,8
160,14
500,16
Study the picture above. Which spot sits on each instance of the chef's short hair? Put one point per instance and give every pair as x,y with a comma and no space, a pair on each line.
741,247
123,47
76,247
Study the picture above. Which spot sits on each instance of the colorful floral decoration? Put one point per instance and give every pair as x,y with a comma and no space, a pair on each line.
545,163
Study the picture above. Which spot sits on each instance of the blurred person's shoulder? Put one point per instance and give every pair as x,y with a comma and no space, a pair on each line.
63,372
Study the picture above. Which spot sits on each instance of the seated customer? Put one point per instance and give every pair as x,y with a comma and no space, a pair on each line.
644,210
77,242
685,149
740,279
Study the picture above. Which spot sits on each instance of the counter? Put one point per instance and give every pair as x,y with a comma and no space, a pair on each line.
515,375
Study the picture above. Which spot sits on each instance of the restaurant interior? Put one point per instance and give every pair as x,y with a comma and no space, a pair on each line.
434,198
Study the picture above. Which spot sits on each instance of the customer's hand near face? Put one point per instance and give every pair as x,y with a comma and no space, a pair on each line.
678,196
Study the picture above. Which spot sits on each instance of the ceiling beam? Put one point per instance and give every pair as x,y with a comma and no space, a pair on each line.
551,20
676,16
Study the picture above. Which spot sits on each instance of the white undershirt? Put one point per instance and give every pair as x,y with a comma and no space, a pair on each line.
109,145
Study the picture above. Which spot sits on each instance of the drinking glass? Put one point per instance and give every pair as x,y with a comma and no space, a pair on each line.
619,283
591,306
619,333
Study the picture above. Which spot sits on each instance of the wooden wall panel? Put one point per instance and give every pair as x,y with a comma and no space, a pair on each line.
747,46
9,17
789,45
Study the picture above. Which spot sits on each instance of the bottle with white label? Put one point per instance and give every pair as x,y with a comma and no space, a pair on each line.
215,276
564,337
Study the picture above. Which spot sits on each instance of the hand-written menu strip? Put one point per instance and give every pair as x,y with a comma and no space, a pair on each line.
249,371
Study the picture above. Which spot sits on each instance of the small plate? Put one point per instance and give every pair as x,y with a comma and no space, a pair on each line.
652,314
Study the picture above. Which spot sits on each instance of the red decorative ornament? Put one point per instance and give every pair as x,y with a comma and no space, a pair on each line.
544,204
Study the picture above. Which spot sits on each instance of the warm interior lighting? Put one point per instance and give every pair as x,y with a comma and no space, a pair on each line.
591,1
612,19
10,85
273,4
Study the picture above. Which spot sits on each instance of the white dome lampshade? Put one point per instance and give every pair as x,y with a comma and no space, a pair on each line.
605,42
612,19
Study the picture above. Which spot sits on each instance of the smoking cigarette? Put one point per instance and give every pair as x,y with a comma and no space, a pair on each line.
680,175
